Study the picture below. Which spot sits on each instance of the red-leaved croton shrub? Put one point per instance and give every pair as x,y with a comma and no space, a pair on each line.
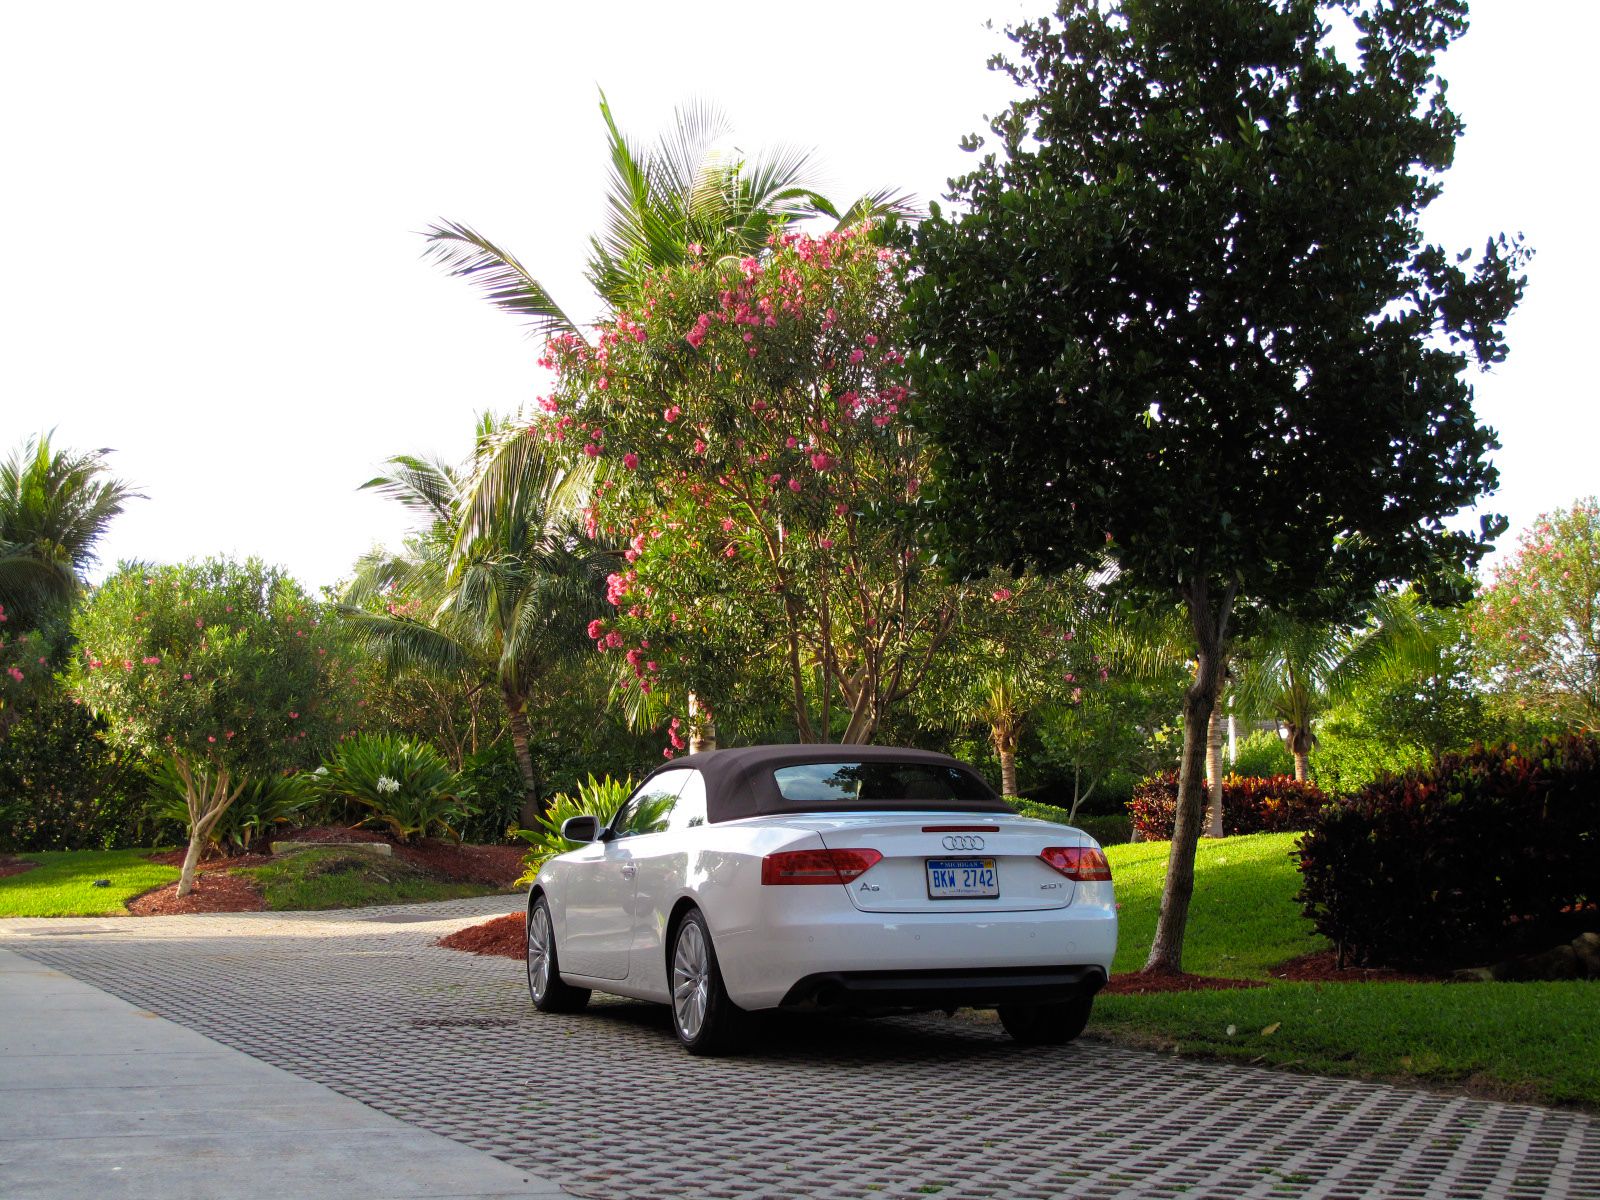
1249,805
1488,853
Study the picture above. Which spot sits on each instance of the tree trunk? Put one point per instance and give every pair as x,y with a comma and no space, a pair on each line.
207,797
1008,772
1210,630
1302,765
1214,732
532,808
702,727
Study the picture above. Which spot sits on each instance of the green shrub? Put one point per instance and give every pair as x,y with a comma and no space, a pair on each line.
1488,852
597,798
407,785
64,786
494,781
263,804
1249,805
1262,755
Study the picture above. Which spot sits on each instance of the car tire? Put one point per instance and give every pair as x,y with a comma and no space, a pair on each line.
706,1021
1046,1024
550,993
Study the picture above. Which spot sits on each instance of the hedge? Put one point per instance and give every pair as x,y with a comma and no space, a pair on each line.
1249,805
1491,852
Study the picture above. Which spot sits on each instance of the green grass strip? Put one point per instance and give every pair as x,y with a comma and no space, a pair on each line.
339,878
62,885
1243,918
1528,1041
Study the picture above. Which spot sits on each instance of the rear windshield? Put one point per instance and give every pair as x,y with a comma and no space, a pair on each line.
868,784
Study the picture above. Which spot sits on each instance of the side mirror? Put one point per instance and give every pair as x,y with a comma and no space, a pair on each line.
585,828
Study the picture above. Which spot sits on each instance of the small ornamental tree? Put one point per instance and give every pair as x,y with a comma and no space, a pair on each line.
1187,310
223,667
1536,627
746,418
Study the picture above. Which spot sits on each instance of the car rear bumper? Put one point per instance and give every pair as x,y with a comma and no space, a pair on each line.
973,988
804,934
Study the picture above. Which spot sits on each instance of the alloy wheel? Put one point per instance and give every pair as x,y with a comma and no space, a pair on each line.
691,970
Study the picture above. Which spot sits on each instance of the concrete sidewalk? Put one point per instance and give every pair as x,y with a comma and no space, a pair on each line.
99,1098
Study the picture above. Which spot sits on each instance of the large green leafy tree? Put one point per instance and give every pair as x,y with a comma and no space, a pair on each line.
1189,311
225,668
1536,624
496,590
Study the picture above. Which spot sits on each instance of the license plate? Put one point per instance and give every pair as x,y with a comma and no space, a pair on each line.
962,878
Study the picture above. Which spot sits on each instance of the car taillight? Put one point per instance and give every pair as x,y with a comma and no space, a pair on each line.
1086,864
816,866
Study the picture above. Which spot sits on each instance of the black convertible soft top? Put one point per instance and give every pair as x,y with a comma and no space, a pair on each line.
740,782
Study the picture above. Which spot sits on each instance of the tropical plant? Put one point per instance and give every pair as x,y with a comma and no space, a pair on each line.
263,803
55,506
685,196
496,591
599,798
408,786
225,668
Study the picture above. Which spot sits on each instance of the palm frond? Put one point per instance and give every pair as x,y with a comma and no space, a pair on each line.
885,202
506,283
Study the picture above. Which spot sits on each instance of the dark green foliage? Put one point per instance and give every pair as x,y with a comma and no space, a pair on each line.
1189,308
493,781
1186,312
64,786
1249,805
1490,852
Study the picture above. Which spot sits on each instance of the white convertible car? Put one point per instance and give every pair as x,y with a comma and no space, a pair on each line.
837,877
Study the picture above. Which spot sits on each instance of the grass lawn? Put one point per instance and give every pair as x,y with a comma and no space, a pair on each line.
62,885
338,878
1243,918
1527,1041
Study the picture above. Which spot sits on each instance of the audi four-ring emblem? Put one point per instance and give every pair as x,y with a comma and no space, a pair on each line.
963,841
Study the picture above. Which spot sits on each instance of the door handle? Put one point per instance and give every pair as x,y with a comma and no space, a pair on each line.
629,871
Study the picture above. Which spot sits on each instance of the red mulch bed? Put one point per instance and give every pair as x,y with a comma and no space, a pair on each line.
217,891
174,858
1322,967
14,866
494,866
214,891
505,936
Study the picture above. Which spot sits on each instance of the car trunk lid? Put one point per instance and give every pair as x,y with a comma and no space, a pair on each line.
944,862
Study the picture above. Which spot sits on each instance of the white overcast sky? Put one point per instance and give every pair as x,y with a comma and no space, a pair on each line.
210,210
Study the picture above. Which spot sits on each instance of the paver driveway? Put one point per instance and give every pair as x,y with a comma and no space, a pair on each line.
605,1101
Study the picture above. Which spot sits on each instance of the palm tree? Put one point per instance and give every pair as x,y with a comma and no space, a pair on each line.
1292,671
499,587
55,506
684,192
